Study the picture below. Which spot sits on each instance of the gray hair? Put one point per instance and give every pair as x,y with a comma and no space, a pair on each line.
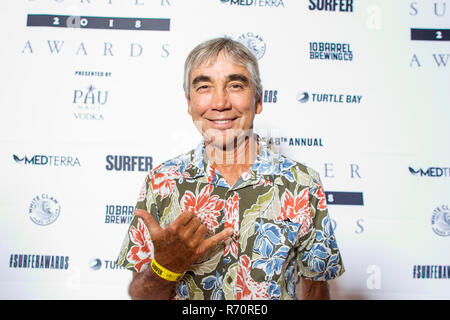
209,51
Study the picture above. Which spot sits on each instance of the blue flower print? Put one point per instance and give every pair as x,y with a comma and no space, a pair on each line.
215,283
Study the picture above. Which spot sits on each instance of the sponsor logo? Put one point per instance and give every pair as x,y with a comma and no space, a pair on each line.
118,214
431,272
89,103
255,3
254,43
38,261
440,221
331,5
431,172
44,209
48,160
128,163
304,97
99,264
330,51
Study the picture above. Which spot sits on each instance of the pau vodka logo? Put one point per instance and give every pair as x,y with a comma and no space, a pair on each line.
89,103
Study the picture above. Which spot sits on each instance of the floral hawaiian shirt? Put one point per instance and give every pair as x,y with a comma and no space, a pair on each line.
278,212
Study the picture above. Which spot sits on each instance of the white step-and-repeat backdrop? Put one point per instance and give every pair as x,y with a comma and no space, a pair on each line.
91,99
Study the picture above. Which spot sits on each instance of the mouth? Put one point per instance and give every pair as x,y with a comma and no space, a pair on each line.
222,123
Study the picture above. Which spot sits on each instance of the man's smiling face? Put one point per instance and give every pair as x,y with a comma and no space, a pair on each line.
222,100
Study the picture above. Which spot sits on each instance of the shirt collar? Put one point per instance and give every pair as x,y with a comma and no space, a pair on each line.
267,166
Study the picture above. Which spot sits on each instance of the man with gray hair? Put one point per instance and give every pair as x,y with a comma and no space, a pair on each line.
231,219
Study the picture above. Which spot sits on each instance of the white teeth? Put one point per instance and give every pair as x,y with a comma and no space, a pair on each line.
222,121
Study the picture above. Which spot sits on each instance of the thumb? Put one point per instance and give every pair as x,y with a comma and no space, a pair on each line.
152,225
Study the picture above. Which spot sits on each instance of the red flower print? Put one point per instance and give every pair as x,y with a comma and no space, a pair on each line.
142,252
296,209
232,221
204,206
320,194
247,288
163,181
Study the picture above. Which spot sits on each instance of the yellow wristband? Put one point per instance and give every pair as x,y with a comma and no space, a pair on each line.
164,273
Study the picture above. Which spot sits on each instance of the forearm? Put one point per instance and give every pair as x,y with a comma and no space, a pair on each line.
313,290
148,285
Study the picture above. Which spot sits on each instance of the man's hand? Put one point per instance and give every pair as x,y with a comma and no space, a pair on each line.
182,242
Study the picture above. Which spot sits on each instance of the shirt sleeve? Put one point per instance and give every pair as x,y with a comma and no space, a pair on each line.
137,248
318,256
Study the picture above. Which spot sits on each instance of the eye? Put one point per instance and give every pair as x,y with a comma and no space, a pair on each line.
202,87
236,85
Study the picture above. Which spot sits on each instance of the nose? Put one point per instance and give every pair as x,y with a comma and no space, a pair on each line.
221,101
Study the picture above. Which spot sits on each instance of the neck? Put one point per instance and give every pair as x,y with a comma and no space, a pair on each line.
240,152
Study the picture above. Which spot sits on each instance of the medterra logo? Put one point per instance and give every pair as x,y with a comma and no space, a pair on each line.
254,3
48,160
44,209
435,172
440,221
254,42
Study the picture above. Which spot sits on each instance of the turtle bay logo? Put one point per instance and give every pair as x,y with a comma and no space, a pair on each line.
304,97
330,51
440,221
255,3
431,172
89,103
48,160
254,43
44,210
98,264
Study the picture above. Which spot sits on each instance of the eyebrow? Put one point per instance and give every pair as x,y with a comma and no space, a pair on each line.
231,77
238,77
200,78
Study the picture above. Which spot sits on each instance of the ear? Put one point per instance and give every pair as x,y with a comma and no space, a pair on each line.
188,103
258,106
